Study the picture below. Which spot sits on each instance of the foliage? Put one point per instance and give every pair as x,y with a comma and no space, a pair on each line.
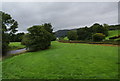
16,37
25,39
84,33
114,27
72,35
9,27
48,27
97,28
39,38
64,61
98,37
5,42
53,38
8,23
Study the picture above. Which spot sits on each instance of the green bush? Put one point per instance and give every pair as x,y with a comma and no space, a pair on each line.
37,38
53,37
25,39
98,37
72,35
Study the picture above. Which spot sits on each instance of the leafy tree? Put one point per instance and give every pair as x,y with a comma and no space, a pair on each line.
37,38
72,35
97,28
53,37
98,37
48,27
25,39
84,33
9,27
16,37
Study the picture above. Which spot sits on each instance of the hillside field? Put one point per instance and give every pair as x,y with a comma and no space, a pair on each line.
113,33
64,61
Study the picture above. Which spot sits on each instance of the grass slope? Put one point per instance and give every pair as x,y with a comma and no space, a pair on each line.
64,61
113,33
15,46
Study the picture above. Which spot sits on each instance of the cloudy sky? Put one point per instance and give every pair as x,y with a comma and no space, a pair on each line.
62,15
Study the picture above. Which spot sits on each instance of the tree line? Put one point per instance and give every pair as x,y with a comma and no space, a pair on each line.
96,32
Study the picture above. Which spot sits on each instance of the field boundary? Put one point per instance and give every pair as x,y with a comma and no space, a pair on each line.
93,43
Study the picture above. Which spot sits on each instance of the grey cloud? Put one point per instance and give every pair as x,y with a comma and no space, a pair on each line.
62,15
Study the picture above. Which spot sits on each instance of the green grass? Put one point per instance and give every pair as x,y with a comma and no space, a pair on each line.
66,38
15,46
64,61
113,33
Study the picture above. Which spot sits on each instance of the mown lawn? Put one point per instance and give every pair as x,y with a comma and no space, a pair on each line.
15,46
64,61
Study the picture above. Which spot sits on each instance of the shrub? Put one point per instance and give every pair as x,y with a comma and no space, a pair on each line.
53,37
37,38
61,38
72,35
98,37
25,39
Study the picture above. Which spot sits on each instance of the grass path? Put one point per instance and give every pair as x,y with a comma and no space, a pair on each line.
64,61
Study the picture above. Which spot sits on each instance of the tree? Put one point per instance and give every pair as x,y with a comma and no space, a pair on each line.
48,27
16,37
9,27
37,38
8,24
97,28
98,37
53,37
84,33
72,35
25,39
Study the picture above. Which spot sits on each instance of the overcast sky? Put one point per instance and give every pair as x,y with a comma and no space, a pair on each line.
62,15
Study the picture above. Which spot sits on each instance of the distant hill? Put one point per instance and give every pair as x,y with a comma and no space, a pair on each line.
62,33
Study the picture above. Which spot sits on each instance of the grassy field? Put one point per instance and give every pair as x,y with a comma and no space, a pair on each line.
15,46
64,61
113,33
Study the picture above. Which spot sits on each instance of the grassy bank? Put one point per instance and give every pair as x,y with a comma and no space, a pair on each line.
64,61
15,46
